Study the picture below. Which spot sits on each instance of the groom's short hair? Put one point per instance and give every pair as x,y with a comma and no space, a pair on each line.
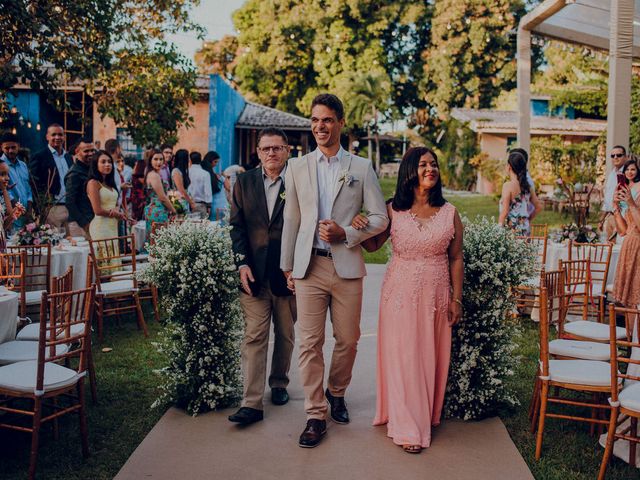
329,100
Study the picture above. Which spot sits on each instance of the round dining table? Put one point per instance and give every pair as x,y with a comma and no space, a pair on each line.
63,256
8,314
560,251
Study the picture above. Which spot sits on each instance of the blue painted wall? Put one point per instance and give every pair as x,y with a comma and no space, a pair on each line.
225,107
29,108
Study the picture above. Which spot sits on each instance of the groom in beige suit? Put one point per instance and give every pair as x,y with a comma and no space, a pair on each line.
322,258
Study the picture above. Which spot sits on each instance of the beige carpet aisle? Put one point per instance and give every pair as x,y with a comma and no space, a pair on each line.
210,447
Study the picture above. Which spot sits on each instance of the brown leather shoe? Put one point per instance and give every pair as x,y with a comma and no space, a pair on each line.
313,433
339,412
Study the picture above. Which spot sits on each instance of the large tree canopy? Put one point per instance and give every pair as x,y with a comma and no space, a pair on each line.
45,43
293,49
471,58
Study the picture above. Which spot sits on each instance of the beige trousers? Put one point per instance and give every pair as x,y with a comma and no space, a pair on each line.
58,216
258,312
321,290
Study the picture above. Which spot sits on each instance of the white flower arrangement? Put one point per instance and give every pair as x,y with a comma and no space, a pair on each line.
347,178
193,266
483,343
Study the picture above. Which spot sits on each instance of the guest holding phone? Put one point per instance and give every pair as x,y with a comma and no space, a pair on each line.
607,221
627,217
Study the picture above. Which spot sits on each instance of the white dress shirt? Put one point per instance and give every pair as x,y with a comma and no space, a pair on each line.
200,187
610,189
63,168
328,177
272,189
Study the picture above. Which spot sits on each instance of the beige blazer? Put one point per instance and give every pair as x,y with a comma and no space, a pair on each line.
301,214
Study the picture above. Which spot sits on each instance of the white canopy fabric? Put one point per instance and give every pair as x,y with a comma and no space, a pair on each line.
612,25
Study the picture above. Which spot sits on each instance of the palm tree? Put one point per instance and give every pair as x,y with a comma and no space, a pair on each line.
368,99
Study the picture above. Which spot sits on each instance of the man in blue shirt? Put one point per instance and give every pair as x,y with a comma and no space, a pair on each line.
20,189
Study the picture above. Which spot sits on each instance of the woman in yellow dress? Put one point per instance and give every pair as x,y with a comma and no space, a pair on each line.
103,195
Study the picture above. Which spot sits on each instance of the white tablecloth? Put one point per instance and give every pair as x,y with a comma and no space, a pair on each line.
63,256
140,233
8,315
560,251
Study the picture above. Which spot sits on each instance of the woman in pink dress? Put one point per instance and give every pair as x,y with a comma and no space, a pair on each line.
421,300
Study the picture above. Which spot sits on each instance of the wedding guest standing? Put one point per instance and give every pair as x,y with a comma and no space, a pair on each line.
256,229
103,195
159,207
607,221
517,194
8,214
18,175
167,166
218,198
200,186
322,260
626,212
48,168
79,205
138,194
421,300
180,179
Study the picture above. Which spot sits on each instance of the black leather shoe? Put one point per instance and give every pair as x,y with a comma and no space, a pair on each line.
339,412
279,396
246,416
313,433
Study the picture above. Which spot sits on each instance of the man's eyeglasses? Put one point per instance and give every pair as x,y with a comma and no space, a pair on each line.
617,155
274,149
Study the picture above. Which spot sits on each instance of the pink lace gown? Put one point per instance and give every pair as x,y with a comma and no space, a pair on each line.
414,337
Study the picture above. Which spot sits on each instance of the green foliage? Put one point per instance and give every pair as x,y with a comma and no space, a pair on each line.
47,43
457,148
149,91
575,79
552,158
219,56
472,54
634,134
293,49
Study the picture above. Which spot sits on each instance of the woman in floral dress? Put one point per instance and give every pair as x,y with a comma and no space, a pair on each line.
159,207
421,301
517,194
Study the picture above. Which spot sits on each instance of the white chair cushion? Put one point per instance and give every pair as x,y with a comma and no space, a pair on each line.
33,298
592,330
580,372
32,332
124,274
580,350
610,287
18,351
629,397
112,288
22,376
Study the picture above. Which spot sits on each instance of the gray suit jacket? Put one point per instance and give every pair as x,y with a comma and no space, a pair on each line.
301,214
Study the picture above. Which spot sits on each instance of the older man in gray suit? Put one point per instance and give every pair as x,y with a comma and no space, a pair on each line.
322,258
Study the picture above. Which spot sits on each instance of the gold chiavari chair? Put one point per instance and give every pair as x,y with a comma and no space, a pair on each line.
599,256
625,397
13,277
577,377
116,289
37,271
44,381
528,295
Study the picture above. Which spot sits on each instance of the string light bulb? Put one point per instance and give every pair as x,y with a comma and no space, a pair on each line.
38,127
14,131
28,123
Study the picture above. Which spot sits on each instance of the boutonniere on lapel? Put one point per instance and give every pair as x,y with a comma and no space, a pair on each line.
347,178
283,195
